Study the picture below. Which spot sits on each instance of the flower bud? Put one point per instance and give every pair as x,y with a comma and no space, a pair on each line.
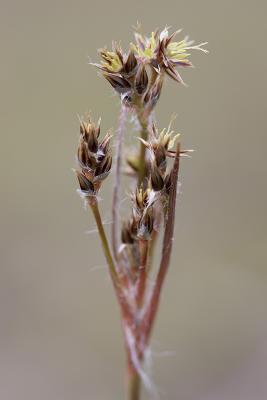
82,154
86,186
130,63
157,181
145,226
142,197
103,147
92,142
94,158
141,80
103,169
160,157
152,96
120,84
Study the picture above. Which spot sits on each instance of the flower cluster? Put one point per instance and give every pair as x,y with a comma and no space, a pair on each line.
94,157
165,55
152,195
137,75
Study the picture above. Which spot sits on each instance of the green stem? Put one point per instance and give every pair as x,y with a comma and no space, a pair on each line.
94,207
134,385
127,313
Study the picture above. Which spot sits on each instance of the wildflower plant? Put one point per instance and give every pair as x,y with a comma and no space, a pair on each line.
137,76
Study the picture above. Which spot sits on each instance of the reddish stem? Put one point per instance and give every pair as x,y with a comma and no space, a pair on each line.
149,317
141,282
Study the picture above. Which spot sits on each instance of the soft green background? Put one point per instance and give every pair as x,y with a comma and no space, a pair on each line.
60,334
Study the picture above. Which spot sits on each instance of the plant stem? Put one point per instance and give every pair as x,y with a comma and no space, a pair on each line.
134,385
142,156
126,311
94,207
149,317
117,184
141,282
151,249
143,121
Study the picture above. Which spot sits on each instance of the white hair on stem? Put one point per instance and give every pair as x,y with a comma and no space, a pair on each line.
147,381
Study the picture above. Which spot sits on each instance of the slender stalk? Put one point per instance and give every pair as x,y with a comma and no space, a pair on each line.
151,312
127,313
141,282
142,156
117,184
134,385
144,122
151,249
94,207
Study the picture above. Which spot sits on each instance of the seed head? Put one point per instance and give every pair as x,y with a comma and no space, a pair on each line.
94,157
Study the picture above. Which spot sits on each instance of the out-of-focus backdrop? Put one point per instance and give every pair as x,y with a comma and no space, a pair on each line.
60,335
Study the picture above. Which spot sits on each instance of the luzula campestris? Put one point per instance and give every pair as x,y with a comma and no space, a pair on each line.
137,76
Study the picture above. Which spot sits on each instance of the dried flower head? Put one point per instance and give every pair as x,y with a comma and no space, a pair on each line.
94,156
127,72
163,53
112,61
160,144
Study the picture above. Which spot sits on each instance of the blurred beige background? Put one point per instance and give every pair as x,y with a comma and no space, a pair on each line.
60,334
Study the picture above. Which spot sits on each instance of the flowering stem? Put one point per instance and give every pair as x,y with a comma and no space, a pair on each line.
134,385
142,156
142,159
143,121
94,207
117,183
125,308
141,282
150,315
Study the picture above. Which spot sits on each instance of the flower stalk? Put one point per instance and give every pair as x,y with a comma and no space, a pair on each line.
93,204
134,385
